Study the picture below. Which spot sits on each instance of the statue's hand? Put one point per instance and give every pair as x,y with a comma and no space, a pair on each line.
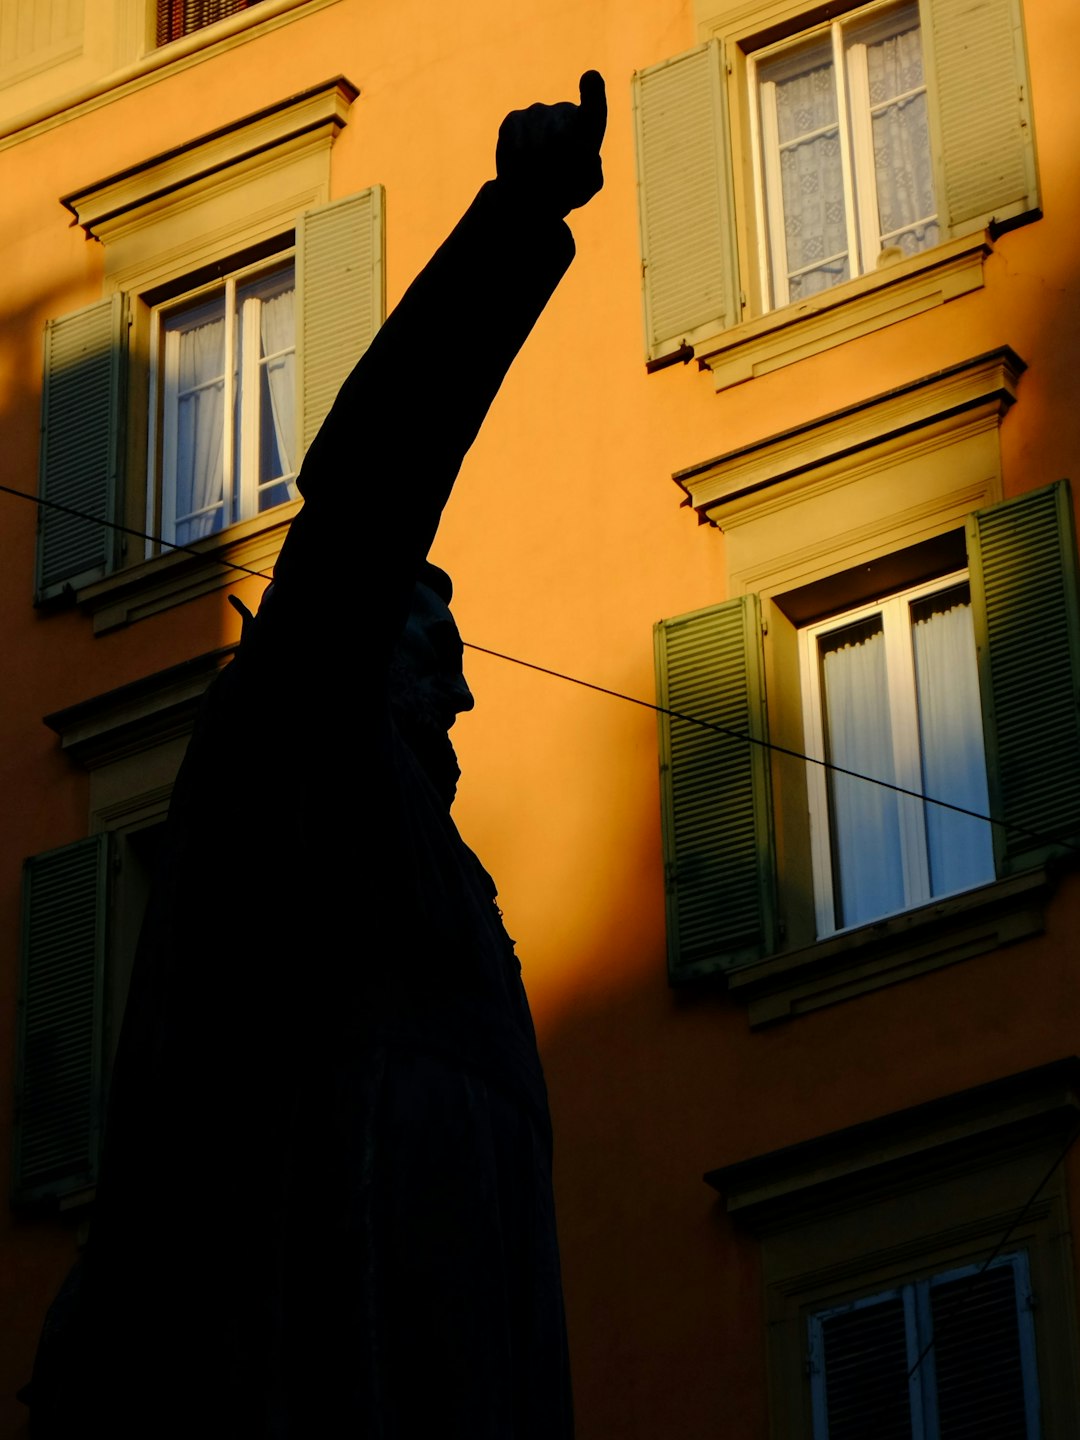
550,154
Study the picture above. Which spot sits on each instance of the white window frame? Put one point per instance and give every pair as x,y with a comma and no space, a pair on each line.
894,610
918,1327
240,492
846,39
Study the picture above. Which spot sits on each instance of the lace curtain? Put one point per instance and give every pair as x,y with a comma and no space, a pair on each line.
200,427
902,168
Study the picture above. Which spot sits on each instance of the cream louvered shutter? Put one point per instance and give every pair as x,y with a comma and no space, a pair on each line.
341,298
81,432
978,89
715,790
686,207
58,1072
1025,602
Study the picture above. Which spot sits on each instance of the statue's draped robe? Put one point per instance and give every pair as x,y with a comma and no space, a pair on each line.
326,1200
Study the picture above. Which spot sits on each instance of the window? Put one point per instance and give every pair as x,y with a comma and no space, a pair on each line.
774,167
953,1354
181,17
891,692
939,1231
228,445
184,406
961,688
843,175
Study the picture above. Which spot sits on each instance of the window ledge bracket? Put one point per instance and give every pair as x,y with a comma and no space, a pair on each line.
847,312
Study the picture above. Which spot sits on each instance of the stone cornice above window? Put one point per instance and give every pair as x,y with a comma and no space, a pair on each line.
119,200
779,464
136,717
988,1122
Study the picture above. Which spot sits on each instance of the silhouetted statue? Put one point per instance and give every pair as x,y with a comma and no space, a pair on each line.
326,1202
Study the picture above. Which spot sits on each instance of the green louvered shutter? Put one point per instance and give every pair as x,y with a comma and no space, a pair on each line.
81,444
58,1065
685,199
341,298
714,788
980,111
1022,556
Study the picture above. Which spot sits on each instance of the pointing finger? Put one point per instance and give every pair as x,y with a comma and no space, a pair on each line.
593,105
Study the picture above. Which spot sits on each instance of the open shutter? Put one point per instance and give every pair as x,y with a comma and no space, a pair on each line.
685,199
340,298
984,1353
859,1363
1022,556
81,435
715,790
58,1065
981,117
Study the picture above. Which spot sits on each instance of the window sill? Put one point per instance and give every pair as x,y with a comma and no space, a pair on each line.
857,308
147,588
898,948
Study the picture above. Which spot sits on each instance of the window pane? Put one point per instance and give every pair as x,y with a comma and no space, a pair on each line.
902,168
271,374
865,1355
200,401
864,817
950,734
810,170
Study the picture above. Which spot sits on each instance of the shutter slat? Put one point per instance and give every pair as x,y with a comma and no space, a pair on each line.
685,197
80,444
715,789
979,91
340,298
58,1072
1027,619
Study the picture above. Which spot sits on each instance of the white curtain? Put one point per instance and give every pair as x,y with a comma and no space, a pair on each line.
277,323
905,181
200,431
954,766
867,862
811,179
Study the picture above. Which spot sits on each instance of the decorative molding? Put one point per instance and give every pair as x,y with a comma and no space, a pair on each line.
157,584
156,64
986,383
916,942
844,313
139,716
956,1131
106,205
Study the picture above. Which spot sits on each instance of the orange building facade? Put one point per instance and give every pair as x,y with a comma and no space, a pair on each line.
789,451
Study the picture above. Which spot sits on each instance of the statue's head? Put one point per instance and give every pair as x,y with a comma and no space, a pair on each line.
428,690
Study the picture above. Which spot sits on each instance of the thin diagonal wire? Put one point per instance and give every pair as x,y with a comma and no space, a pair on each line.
830,765
129,530
782,750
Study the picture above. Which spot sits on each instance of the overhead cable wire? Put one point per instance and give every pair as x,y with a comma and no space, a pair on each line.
739,735
129,530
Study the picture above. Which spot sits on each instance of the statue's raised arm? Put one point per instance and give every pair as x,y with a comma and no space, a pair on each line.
387,456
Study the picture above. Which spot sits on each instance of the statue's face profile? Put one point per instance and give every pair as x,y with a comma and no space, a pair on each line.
429,680
427,687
